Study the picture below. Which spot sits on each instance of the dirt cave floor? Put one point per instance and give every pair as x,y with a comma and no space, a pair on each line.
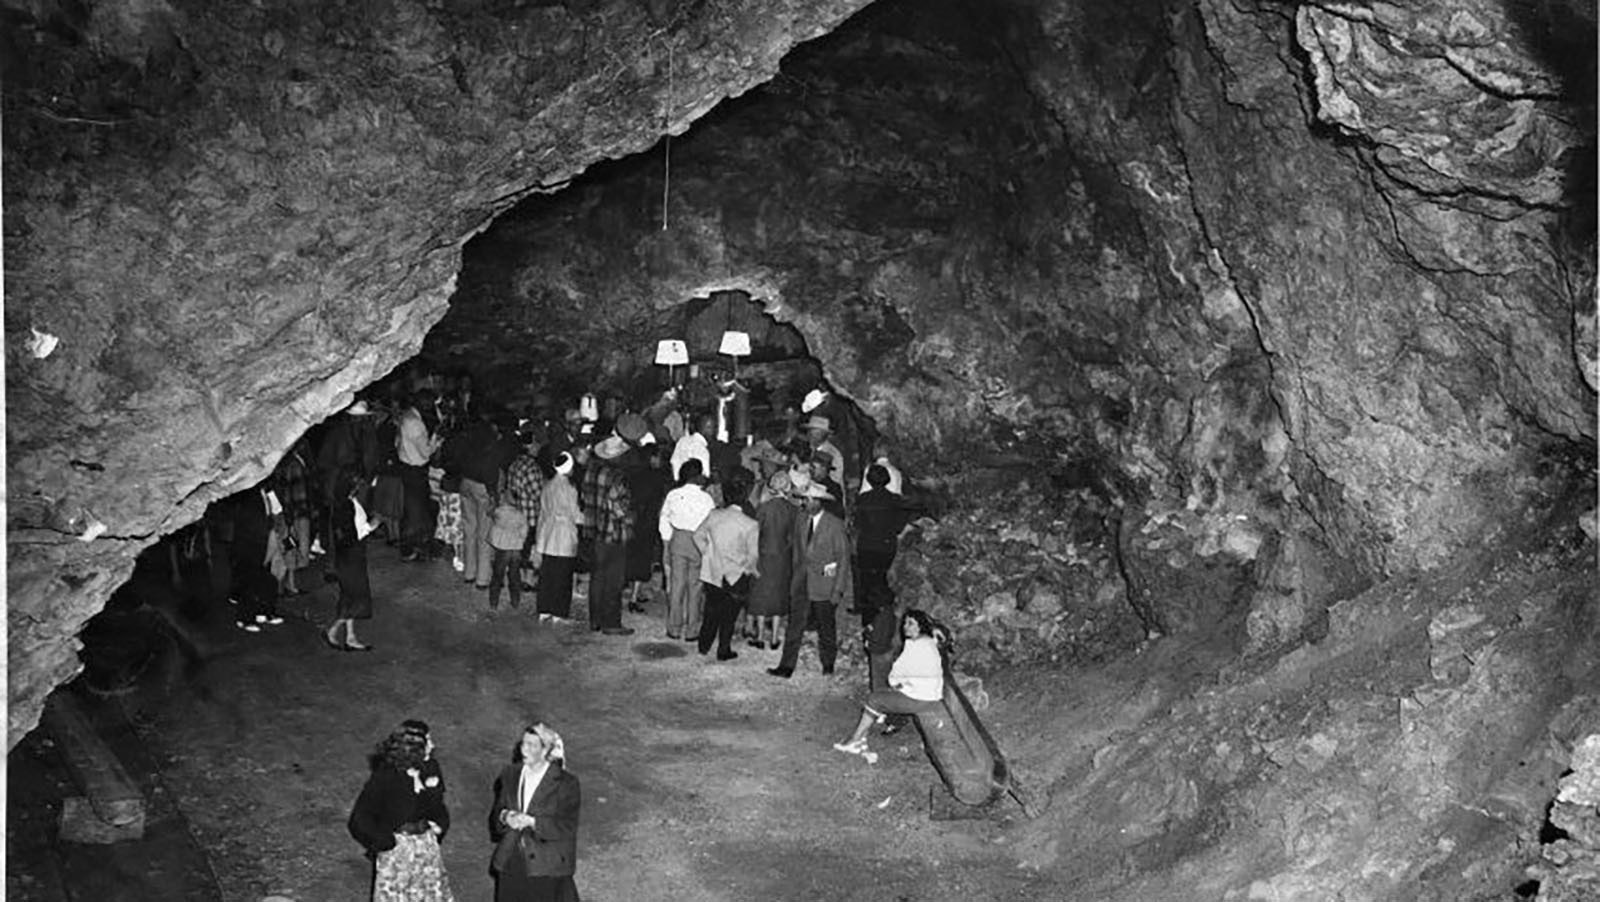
702,780
711,781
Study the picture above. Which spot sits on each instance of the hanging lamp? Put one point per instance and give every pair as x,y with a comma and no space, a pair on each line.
735,342
671,353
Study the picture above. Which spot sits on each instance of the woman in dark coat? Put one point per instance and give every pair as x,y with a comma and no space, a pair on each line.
647,485
769,592
534,822
348,534
400,818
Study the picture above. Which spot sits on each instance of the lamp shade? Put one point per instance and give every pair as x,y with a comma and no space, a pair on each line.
735,344
672,352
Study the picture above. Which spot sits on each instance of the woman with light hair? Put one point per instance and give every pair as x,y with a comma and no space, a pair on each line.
534,822
556,541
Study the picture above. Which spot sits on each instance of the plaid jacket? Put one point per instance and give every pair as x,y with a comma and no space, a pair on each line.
606,503
521,485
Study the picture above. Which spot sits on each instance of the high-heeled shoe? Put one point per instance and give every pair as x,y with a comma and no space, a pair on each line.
353,647
329,640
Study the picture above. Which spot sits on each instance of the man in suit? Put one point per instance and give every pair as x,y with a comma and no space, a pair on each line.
821,582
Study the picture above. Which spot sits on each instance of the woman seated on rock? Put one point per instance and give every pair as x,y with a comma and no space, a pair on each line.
916,681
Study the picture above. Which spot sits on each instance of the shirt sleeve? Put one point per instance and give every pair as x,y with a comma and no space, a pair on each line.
664,521
752,548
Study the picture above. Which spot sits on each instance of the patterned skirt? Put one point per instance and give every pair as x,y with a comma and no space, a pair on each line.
412,871
448,529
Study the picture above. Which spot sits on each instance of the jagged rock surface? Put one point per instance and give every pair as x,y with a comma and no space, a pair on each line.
1154,258
233,215
1219,277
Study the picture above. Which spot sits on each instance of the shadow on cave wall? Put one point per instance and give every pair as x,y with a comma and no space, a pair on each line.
1561,34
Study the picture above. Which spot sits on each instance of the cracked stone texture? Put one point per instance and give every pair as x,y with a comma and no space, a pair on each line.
1195,252
1136,251
234,215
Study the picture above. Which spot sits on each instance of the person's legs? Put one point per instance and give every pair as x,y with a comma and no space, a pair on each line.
415,524
530,562
497,576
734,596
254,590
862,726
872,577
513,575
475,532
605,585
827,633
555,585
793,635
684,576
880,646
715,600
694,607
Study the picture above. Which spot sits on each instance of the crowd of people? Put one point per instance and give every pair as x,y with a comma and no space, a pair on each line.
400,817
763,534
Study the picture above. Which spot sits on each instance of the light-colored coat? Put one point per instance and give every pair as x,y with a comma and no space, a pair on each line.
557,534
730,546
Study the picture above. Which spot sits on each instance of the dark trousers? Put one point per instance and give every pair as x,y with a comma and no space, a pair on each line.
821,614
505,569
872,578
555,584
721,612
416,523
877,632
252,584
606,577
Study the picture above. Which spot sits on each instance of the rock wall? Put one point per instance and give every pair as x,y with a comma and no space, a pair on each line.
230,216
1194,287
1293,294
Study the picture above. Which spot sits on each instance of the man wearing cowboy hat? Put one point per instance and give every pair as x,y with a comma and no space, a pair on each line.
818,429
821,582
608,522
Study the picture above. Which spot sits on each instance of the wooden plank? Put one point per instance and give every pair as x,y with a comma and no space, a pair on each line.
114,796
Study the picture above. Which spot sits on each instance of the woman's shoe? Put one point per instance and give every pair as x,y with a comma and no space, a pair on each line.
336,646
350,646
851,748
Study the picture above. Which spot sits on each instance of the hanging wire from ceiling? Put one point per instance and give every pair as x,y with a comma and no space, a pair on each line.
666,144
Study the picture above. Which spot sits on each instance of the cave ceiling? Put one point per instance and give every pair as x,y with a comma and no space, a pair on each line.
1317,270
